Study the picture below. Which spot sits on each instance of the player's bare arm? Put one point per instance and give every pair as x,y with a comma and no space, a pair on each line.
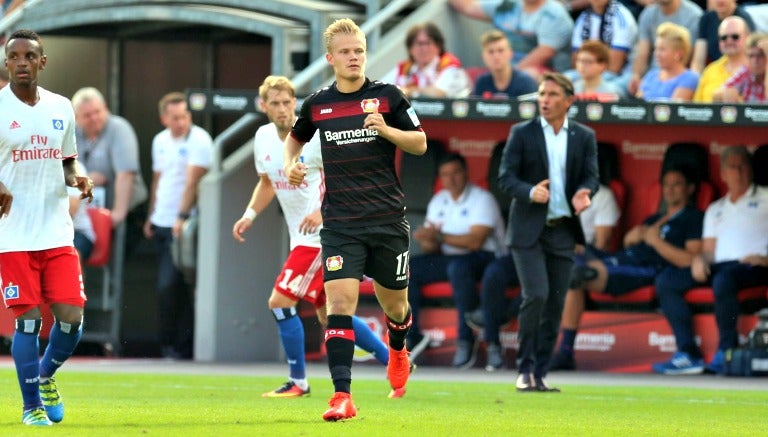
311,222
148,231
189,196
6,199
294,170
73,178
263,193
123,193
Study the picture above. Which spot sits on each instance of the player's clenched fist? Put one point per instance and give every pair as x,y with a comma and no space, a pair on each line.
295,173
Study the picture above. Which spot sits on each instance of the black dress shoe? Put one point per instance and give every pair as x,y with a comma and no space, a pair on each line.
542,386
525,382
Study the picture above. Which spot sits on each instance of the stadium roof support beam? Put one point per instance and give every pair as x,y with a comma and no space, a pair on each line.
315,14
285,33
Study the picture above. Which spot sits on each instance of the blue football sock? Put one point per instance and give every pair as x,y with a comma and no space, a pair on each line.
368,341
568,340
26,352
62,342
292,335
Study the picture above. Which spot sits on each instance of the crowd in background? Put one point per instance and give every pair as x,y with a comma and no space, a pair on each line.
654,50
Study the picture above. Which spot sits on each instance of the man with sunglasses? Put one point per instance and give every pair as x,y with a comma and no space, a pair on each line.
733,34
748,84
708,47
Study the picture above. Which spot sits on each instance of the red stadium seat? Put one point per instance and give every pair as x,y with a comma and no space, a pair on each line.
619,191
475,72
652,197
705,295
436,290
643,296
102,227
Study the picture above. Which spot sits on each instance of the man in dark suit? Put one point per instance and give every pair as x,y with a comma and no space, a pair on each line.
549,168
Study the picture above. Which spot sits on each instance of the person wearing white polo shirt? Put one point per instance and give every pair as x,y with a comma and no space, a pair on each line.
181,155
462,234
734,256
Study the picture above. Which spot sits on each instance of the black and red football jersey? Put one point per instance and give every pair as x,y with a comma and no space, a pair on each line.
362,187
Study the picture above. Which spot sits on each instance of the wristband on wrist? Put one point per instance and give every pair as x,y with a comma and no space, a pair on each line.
250,214
183,215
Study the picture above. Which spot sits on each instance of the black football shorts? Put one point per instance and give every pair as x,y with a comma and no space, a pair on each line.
379,252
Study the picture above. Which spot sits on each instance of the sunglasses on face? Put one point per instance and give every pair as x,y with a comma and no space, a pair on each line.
733,36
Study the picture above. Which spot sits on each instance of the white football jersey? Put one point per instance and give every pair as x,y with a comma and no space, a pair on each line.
171,157
33,142
296,202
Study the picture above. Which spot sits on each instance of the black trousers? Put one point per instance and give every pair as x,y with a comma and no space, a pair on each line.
544,270
175,299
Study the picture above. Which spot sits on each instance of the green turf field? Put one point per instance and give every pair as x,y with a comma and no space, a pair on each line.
112,404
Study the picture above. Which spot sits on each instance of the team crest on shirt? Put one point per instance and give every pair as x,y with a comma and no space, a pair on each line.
11,291
58,124
370,105
334,263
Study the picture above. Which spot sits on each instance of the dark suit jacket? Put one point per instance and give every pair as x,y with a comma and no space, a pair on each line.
524,164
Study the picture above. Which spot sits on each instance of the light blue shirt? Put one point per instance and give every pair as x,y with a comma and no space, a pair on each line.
557,148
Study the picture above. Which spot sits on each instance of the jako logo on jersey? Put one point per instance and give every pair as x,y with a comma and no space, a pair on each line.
334,263
369,105
58,124
14,125
326,110
11,291
348,134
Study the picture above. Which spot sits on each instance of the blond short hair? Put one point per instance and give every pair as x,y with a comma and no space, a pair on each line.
280,83
677,35
492,36
170,99
342,26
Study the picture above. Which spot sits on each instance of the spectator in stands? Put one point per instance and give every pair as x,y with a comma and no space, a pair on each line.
707,46
502,81
181,155
462,233
734,256
749,82
9,5
671,237
636,6
539,30
575,7
671,79
109,148
612,23
591,63
430,70
81,221
733,43
681,12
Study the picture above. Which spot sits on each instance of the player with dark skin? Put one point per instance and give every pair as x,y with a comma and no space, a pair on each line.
37,256
24,60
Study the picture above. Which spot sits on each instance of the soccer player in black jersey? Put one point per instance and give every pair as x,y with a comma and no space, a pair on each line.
361,124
